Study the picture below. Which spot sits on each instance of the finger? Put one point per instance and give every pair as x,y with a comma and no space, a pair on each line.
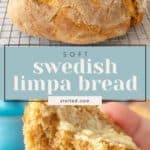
130,122
121,115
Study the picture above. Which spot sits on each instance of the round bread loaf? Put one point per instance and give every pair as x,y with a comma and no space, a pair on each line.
71,128
75,21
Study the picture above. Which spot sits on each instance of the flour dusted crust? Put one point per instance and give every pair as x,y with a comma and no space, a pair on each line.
71,128
75,21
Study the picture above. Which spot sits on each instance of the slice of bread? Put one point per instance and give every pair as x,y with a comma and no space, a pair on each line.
71,128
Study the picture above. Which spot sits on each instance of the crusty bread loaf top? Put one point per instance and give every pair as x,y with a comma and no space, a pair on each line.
75,21
93,12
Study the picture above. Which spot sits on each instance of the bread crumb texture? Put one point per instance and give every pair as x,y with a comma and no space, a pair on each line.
75,21
71,128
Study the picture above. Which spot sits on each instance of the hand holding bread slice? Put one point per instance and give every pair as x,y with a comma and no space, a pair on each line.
71,128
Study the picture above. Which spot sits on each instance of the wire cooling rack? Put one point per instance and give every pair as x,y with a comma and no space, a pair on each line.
10,35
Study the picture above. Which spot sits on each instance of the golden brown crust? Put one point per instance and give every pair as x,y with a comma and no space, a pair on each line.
78,22
134,10
71,128
141,108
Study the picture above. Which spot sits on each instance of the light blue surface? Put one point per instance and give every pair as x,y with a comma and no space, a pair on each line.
11,108
130,61
11,137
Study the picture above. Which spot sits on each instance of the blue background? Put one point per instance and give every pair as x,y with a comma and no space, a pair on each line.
148,72
130,61
1,73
